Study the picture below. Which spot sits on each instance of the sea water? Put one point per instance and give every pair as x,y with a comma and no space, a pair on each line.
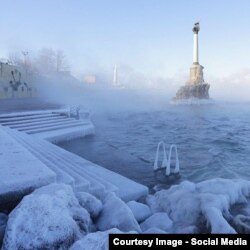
212,140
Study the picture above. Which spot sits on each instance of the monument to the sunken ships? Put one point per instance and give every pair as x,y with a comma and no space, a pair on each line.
195,88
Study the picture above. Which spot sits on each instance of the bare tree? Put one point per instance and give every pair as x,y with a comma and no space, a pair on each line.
61,61
45,62
15,59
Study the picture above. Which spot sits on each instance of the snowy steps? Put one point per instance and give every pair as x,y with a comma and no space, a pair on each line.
27,117
22,123
51,125
86,175
20,171
65,173
44,128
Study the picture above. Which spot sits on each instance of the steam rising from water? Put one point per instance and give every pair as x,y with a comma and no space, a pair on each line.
138,93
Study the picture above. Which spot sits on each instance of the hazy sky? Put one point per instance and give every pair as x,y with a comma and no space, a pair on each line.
152,36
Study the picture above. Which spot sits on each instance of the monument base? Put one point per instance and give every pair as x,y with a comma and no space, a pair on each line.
192,101
199,91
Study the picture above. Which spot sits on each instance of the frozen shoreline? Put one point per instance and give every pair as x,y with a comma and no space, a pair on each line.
204,207
86,219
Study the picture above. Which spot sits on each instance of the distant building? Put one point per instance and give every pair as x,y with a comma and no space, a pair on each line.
89,79
13,81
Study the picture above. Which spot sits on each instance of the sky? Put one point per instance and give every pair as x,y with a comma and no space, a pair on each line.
153,37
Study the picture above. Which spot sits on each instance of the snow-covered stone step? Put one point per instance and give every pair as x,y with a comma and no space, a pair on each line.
17,123
69,158
66,121
127,189
98,185
78,167
82,171
67,133
35,112
30,117
94,187
17,180
83,181
51,120
61,176
80,183
75,123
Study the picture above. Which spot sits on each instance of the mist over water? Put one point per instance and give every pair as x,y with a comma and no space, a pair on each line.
212,140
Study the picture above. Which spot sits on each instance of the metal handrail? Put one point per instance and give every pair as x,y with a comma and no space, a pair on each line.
166,163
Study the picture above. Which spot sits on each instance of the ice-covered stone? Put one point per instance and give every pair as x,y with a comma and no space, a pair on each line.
95,241
180,202
154,230
243,223
140,210
49,218
193,91
116,214
186,229
217,221
157,220
3,223
90,203
188,204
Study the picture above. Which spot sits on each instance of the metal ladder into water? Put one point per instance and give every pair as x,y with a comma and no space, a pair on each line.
166,163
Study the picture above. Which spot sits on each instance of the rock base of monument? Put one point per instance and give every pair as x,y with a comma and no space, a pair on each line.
193,94
199,91
192,101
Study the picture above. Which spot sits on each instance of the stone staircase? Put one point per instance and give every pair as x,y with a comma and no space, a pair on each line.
52,125
82,174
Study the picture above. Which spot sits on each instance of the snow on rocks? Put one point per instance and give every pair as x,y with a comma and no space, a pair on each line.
158,220
94,241
90,203
154,230
243,223
188,203
3,223
116,214
140,210
186,230
49,218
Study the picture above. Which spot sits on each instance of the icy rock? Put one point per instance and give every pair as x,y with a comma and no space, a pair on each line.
243,223
186,229
90,203
180,202
140,210
49,218
154,230
217,222
116,214
3,223
95,241
210,201
233,190
157,220
199,91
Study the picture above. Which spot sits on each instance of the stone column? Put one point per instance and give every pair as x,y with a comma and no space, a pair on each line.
196,29
115,80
